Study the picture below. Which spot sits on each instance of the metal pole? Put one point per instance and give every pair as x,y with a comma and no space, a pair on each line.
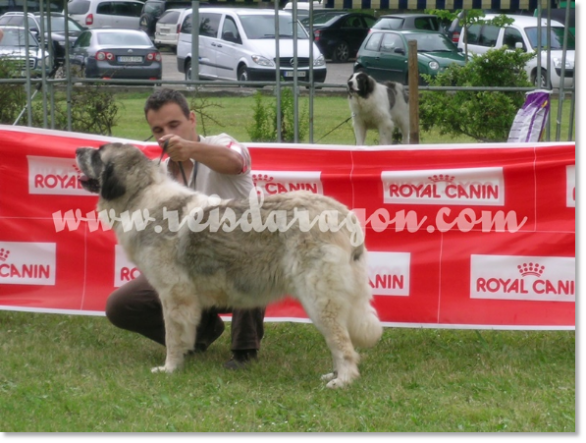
278,73
310,79
413,94
44,45
563,74
27,66
195,40
295,76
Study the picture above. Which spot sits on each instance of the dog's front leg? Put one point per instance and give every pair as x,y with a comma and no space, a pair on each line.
359,133
182,315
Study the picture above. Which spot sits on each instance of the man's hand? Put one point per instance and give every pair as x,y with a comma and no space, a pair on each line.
177,148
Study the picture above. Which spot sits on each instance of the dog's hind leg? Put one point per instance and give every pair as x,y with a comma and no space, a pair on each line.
329,314
182,313
385,133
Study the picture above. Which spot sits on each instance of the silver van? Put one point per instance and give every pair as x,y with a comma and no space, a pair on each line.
123,14
240,44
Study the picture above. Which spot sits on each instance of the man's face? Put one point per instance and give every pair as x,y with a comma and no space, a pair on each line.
169,119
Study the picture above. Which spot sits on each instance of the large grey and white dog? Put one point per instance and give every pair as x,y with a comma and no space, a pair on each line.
207,262
377,106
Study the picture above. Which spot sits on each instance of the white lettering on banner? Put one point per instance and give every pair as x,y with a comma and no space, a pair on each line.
474,186
124,269
571,186
27,263
508,277
388,273
277,182
54,176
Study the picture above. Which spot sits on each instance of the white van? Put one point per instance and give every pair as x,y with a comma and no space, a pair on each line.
239,44
106,13
523,33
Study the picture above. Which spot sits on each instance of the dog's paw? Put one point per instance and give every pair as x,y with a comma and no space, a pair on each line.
162,369
328,377
337,383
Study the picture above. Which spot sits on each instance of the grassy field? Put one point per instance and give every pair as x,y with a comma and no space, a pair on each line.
76,373
330,113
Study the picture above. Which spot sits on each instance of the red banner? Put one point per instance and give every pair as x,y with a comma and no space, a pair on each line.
459,236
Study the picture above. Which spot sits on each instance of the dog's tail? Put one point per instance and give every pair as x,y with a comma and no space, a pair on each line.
363,323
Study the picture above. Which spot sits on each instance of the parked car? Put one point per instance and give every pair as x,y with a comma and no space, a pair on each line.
239,44
523,33
167,28
338,35
153,10
124,14
57,22
13,50
384,54
455,28
428,22
116,53
303,8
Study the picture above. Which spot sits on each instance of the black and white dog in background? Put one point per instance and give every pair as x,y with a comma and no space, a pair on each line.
377,106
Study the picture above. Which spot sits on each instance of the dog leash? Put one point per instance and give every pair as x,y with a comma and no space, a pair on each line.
345,121
165,146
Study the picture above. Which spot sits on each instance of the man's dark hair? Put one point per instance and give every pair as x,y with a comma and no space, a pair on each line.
164,96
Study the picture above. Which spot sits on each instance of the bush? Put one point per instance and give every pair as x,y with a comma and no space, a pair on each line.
93,108
264,126
486,116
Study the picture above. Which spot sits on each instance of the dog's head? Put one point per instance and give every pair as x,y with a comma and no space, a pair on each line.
361,84
108,169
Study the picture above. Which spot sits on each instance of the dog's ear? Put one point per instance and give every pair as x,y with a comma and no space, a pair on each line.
112,186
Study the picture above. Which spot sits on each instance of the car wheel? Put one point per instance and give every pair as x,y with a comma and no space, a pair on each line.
242,74
541,82
341,53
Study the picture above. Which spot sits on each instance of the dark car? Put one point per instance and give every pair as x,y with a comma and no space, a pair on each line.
57,24
115,54
339,34
395,22
384,54
154,9
15,56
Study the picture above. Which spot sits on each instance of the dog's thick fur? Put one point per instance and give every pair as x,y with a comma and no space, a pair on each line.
377,106
196,270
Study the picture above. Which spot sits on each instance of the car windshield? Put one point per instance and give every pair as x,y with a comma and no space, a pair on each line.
557,38
390,23
432,43
258,27
322,18
16,37
58,25
123,39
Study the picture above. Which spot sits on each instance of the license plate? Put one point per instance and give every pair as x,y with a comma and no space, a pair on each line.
292,74
129,59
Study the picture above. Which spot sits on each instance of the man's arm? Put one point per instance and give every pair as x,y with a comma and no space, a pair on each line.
220,159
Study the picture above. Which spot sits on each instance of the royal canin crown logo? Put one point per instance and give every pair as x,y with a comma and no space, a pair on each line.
79,173
261,178
4,253
442,178
531,269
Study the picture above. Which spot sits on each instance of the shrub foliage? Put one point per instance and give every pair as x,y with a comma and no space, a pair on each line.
487,115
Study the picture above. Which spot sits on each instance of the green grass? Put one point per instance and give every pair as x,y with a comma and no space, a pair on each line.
235,114
75,373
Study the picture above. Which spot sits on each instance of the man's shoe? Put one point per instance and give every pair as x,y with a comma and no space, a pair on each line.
202,347
241,359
